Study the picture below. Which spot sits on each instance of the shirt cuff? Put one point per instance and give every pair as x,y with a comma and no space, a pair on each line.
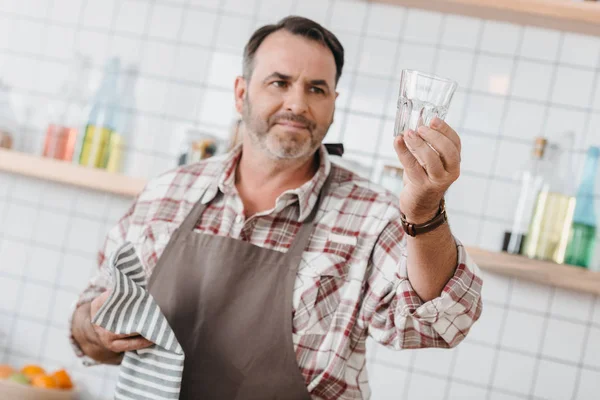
458,307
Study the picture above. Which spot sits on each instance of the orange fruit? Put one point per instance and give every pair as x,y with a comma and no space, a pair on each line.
63,380
44,381
32,370
5,371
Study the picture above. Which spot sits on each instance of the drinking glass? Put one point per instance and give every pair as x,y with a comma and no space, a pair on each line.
422,98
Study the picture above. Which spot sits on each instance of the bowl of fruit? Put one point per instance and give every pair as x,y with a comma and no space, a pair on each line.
32,382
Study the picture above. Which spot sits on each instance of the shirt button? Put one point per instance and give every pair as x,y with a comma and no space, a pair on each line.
239,219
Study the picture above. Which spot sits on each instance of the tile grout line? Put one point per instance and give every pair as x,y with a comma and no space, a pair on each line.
23,281
539,354
588,119
352,85
465,382
471,83
500,134
355,72
586,337
434,67
498,347
229,13
389,97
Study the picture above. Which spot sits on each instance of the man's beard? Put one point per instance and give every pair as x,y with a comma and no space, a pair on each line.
279,144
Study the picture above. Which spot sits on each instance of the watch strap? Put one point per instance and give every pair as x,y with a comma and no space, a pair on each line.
419,229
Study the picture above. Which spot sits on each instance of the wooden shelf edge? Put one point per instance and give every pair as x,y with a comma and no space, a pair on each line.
548,273
564,15
71,174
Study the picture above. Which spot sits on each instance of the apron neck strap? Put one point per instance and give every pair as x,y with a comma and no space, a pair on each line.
193,216
302,237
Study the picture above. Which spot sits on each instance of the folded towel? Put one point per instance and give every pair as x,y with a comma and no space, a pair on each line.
154,372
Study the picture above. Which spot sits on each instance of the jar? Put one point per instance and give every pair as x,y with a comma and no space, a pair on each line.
198,145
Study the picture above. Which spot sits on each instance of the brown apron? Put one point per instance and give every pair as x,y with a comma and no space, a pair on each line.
229,303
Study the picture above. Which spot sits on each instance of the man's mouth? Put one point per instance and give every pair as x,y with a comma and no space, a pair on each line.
292,124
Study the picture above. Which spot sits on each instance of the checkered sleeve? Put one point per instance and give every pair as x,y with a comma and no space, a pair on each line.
102,279
396,316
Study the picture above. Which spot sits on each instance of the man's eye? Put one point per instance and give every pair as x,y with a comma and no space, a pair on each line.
317,90
280,84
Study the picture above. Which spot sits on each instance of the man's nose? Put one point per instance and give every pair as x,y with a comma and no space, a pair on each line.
296,101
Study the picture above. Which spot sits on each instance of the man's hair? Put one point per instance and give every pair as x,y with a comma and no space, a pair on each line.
298,26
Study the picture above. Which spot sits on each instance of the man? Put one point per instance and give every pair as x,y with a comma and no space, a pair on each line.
272,264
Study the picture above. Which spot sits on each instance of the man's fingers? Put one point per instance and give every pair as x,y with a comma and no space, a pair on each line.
445,129
107,337
407,159
428,158
129,344
447,151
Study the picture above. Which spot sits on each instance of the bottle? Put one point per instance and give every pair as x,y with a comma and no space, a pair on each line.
583,230
100,125
531,179
65,118
548,233
8,121
123,126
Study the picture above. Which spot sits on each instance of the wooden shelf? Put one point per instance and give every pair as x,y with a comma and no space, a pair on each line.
565,15
564,276
548,273
71,174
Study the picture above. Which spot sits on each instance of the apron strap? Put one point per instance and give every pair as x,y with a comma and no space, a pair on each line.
303,235
193,216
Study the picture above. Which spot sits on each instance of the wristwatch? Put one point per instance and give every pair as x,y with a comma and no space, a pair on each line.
419,229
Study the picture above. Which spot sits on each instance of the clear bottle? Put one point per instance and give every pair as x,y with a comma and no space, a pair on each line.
548,233
65,118
100,125
531,179
123,126
8,120
583,231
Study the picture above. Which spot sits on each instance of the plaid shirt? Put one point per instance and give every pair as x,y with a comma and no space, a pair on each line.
352,282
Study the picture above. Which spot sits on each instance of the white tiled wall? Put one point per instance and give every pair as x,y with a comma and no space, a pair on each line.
533,342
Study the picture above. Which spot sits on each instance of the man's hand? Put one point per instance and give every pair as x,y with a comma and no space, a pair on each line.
111,341
431,161
99,343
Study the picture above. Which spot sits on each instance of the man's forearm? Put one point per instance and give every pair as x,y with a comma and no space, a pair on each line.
87,339
432,260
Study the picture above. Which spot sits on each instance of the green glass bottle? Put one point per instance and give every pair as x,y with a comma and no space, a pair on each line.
583,231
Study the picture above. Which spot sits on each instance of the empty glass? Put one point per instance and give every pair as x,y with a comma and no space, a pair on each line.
422,98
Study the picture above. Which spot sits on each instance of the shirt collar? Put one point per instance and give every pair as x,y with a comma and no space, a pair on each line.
306,195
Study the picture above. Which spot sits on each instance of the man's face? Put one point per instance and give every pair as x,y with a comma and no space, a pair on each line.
288,104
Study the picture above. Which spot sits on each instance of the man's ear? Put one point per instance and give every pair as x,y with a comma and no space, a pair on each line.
240,90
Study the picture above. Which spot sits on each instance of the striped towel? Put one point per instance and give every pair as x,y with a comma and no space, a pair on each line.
154,372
